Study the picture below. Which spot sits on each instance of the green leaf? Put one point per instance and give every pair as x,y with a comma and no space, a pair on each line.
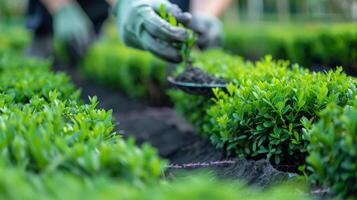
173,21
163,13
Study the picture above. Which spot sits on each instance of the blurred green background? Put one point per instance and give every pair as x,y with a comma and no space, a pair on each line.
317,34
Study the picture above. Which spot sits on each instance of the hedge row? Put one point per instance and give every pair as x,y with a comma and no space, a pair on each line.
44,128
267,105
310,45
54,147
332,150
268,111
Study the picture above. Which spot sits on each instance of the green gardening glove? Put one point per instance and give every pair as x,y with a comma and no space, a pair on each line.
141,27
73,26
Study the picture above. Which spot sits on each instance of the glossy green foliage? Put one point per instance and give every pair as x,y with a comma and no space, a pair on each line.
328,45
46,137
266,118
44,128
266,107
23,79
333,151
136,73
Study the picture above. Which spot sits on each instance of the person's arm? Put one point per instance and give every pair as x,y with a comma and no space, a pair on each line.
211,7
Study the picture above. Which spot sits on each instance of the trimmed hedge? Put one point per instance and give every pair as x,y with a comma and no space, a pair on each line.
327,45
52,146
332,150
266,108
44,128
24,78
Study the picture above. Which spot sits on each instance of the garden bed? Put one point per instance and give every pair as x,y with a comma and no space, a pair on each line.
174,138
270,112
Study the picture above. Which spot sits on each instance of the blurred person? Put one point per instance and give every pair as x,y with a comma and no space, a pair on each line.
78,22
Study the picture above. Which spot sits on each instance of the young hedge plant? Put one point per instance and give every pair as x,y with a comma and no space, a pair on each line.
332,150
45,130
267,118
46,136
23,78
266,108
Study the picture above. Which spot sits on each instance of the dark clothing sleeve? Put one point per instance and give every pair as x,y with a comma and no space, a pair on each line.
39,19
183,4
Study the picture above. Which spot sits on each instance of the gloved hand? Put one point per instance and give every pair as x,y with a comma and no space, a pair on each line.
209,30
141,27
73,26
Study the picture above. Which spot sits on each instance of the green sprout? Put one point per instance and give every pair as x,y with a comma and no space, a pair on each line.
187,46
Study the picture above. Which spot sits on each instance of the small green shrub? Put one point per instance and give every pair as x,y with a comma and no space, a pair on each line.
332,150
266,108
23,79
266,118
45,128
48,136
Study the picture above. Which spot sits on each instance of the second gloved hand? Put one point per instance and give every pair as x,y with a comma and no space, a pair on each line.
73,26
209,29
141,27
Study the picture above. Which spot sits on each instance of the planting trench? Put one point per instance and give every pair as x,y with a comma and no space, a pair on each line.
174,138
176,141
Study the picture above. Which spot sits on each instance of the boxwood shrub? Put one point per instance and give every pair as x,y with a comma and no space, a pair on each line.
266,118
266,108
232,68
24,78
48,136
45,128
332,150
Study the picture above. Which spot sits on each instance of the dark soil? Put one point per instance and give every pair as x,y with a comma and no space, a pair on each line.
198,76
174,138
